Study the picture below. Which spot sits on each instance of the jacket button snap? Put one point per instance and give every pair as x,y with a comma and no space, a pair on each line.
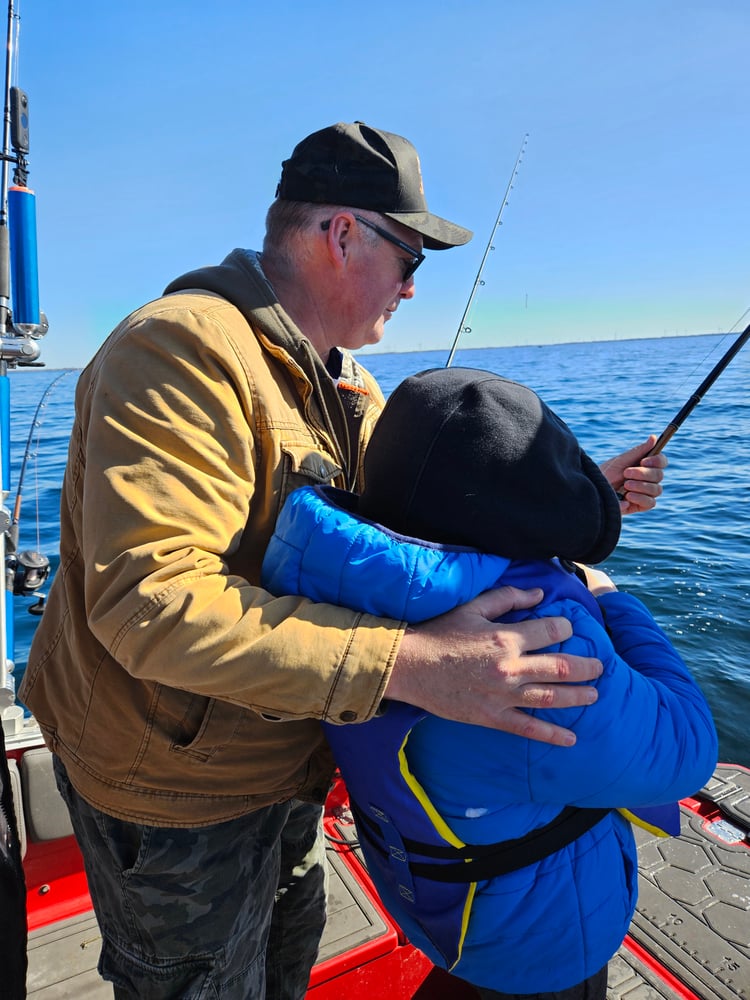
348,716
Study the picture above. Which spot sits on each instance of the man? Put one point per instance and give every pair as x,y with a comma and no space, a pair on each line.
182,702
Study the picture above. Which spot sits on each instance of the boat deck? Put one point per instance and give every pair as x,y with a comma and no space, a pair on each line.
63,955
693,912
693,920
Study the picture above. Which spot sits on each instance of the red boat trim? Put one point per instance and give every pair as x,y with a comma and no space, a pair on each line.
659,971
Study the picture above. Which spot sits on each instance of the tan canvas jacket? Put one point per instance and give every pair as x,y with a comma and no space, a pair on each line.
175,690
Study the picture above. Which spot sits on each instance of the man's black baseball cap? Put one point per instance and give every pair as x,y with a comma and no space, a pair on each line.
363,167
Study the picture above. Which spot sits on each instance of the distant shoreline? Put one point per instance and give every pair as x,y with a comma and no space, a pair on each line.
369,353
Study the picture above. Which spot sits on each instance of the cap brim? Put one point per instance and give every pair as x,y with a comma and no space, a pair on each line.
437,233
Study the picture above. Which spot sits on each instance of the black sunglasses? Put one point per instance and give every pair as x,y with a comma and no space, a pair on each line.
410,266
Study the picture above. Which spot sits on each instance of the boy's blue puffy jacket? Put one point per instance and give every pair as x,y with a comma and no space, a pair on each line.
648,739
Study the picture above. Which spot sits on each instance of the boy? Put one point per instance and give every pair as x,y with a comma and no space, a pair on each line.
504,860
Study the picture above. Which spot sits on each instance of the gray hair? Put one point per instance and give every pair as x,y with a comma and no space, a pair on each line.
287,221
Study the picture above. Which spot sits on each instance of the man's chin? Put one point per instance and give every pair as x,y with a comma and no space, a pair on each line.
378,331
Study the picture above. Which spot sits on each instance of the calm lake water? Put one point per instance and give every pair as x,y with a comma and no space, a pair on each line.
688,560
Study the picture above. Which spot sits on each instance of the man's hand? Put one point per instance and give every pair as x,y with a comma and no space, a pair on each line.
466,667
637,475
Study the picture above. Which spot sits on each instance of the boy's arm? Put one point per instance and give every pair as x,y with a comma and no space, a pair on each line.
649,738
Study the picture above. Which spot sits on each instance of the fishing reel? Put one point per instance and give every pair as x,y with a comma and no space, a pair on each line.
29,570
19,343
18,350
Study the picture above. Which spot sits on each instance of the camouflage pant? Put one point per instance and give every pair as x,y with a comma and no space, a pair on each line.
232,911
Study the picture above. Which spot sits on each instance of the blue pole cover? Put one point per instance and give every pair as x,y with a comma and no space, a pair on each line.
23,255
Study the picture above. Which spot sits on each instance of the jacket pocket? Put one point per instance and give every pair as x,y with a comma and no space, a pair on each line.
209,725
304,465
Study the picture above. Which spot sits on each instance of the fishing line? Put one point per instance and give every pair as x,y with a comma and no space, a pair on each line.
711,352
732,328
30,569
35,426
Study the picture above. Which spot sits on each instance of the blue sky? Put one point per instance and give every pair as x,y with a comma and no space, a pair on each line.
157,132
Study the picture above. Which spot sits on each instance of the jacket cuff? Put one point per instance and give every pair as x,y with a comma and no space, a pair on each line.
364,670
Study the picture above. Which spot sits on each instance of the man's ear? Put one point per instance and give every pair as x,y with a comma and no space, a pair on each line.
338,237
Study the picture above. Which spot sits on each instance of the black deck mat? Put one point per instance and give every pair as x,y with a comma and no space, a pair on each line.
693,912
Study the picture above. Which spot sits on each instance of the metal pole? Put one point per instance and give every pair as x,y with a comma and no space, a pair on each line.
7,683
4,174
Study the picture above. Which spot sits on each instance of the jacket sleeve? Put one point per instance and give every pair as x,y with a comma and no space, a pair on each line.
170,479
649,738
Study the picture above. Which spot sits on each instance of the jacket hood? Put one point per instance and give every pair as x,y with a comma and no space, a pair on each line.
240,279
465,456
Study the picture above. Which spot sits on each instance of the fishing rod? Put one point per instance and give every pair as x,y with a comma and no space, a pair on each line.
697,396
462,328
700,392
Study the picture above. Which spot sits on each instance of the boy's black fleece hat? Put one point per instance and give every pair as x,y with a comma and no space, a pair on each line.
364,167
469,458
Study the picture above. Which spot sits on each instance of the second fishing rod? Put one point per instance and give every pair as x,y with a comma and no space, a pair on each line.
676,422
696,396
478,282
